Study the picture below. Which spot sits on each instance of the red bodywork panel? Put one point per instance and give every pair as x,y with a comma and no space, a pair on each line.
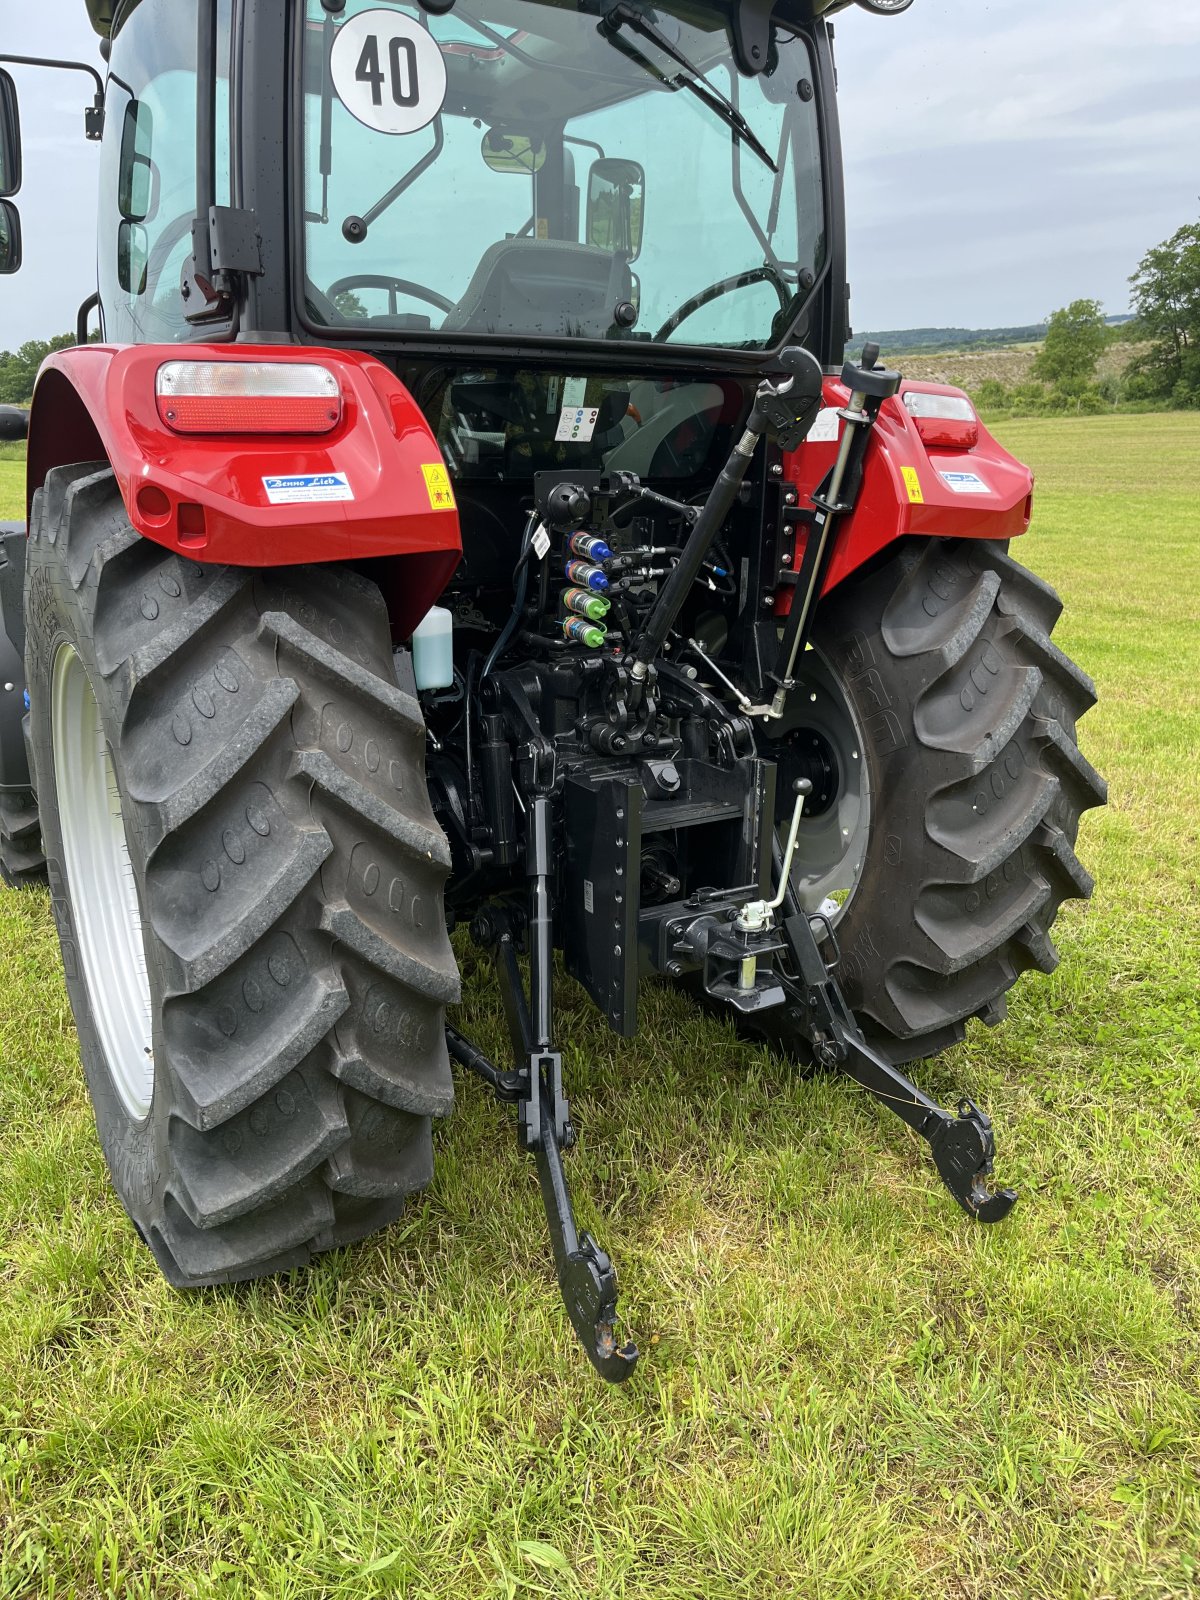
992,500
206,497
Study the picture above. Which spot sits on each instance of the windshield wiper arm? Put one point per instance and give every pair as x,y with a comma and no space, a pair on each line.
625,15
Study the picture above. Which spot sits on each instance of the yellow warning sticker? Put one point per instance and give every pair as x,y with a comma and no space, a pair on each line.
911,482
437,486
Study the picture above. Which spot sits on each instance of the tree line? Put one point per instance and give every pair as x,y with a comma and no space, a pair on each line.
1164,367
19,368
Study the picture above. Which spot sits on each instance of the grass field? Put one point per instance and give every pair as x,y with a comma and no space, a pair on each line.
12,482
846,1389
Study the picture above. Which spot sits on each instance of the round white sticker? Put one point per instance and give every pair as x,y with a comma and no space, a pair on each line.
388,71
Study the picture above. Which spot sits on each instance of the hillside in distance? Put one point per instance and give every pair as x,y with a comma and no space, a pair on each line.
895,341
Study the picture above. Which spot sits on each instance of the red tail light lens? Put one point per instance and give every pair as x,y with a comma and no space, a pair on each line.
247,397
948,420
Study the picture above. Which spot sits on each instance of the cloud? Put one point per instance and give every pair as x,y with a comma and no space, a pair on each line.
1002,159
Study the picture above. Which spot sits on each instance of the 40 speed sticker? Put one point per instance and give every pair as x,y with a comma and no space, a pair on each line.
300,488
388,71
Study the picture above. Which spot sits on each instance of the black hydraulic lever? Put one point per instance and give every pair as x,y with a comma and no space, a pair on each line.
870,385
963,1145
787,409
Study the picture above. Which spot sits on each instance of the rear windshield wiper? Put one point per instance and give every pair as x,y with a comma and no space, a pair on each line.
624,15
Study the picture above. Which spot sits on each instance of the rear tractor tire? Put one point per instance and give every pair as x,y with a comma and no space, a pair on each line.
952,717
247,881
22,863
21,860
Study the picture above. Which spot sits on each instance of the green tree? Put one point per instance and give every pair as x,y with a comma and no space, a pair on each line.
1075,340
19,368
348,305
1166,298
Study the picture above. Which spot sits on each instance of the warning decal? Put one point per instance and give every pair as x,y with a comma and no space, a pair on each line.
913,484
437,486
388,71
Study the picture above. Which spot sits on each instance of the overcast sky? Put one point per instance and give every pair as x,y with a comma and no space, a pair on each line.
1002,157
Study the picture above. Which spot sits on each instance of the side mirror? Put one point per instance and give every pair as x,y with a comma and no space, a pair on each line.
137,178
133,257
10,138
10,238
614,206
512,152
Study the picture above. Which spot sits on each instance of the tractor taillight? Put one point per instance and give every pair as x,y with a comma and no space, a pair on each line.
248,397
947,420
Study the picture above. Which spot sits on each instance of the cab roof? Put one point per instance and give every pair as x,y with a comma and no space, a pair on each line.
100,12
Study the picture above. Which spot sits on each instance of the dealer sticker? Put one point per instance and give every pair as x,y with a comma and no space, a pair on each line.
308,487
966,483
827,426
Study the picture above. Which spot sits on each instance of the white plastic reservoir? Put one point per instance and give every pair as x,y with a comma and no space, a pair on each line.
433,649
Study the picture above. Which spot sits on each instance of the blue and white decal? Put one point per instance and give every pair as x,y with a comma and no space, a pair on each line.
966,482
303,488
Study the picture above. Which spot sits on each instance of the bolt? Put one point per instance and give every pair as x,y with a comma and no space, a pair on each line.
789,498
785,561
777,470
768,600
674,969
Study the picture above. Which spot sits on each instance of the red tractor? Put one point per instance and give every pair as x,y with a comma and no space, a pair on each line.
467,519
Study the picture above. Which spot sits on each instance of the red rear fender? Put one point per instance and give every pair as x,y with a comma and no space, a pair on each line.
912,485
374,485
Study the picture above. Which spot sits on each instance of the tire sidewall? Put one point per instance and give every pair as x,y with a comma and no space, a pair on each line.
134,1150
884,715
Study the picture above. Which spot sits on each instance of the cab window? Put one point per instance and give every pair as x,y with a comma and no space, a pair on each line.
148,163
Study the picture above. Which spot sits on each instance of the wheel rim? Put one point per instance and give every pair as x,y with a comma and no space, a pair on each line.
820,732
104,903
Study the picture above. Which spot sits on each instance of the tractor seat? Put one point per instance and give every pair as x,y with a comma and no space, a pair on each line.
546,286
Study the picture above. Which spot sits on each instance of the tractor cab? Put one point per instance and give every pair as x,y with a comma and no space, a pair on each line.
510,173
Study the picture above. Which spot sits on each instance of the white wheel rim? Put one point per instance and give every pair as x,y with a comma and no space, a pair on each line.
104,903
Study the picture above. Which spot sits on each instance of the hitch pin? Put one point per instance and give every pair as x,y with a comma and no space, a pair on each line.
758,915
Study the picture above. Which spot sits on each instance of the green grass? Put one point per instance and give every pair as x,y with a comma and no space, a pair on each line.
12,480
846,1389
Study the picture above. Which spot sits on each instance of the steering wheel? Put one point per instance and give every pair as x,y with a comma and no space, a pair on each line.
394,286
763,274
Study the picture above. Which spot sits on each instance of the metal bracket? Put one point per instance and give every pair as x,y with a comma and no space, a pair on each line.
752,35
235,241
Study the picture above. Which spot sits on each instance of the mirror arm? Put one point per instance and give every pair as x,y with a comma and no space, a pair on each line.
93,116
81,318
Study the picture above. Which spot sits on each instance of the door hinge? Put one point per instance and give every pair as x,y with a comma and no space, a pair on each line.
235,245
